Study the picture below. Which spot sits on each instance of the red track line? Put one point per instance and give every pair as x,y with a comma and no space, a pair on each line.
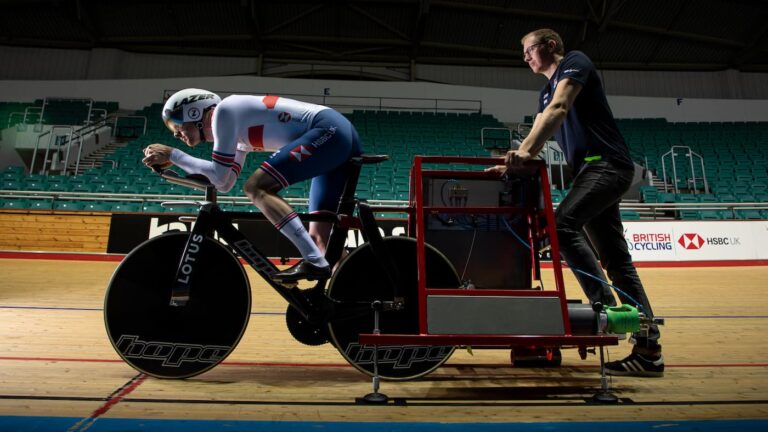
112,400
119,396
62,256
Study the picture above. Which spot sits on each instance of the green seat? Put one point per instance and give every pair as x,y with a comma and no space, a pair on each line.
11,175
726,198
710,215
630,215
153,190
391,215
119,207
81,187
152,207
15,203
748,214
67,205
667,197
180,209
97,206
384,195
106,188
11,185
690,214
687,198
14,169
402,196
707,198
40,204
129,189
57,186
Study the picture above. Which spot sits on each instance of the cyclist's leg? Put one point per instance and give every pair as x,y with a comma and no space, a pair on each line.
326,189
262,189
324,194
322,149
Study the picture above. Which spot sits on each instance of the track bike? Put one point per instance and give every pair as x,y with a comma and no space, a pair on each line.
179,303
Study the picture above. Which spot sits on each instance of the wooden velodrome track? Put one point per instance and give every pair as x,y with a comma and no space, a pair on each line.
59,372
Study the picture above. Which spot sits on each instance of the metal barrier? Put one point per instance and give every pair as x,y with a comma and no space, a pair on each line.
659,211
689,154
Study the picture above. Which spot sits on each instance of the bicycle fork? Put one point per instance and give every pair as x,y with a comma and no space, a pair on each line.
180,289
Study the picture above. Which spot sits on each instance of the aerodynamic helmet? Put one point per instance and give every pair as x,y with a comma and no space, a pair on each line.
188,105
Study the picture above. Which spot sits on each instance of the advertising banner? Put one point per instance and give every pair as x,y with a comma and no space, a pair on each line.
696,240
651,241
130,230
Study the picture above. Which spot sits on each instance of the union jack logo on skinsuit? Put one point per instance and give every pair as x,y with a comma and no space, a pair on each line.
691,241
300,153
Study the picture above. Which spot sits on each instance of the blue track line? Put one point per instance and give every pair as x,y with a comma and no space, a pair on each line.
44,424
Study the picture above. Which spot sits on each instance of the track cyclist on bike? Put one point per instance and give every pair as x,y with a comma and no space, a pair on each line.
309,142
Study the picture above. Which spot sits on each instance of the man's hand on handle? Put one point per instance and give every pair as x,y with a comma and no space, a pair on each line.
516,158
513,159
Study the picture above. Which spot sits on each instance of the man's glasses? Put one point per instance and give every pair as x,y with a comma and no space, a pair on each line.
527,51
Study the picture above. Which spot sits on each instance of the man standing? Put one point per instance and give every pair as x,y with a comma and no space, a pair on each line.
573,107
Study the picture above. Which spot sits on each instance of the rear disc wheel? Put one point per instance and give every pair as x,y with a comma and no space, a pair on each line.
359,280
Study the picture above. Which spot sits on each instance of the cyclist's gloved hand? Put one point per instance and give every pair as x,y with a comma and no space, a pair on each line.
157,154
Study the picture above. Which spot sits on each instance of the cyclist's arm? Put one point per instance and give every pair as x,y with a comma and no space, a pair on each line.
222,171
226,161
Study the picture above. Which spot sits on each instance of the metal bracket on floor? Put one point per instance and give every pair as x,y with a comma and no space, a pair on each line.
375,398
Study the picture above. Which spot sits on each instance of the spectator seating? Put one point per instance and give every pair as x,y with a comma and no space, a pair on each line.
735,160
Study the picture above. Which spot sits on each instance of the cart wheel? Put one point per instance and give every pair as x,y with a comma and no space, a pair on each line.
359,280
176,342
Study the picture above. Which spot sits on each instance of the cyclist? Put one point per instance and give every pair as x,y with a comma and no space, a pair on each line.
308,141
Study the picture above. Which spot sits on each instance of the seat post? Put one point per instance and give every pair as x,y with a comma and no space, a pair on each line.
210,193
346,206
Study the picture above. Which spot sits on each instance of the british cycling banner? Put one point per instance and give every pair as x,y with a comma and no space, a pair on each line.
696,240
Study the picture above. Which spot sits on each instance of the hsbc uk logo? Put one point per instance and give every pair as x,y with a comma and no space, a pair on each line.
693,241
284,117
300,153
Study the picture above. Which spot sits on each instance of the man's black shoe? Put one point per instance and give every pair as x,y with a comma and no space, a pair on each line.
302,270
637,366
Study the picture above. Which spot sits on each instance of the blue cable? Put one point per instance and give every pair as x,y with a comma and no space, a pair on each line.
524,243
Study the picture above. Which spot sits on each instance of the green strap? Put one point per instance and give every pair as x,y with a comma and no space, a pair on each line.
592,158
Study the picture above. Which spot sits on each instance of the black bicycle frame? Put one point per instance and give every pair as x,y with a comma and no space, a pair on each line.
212,219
